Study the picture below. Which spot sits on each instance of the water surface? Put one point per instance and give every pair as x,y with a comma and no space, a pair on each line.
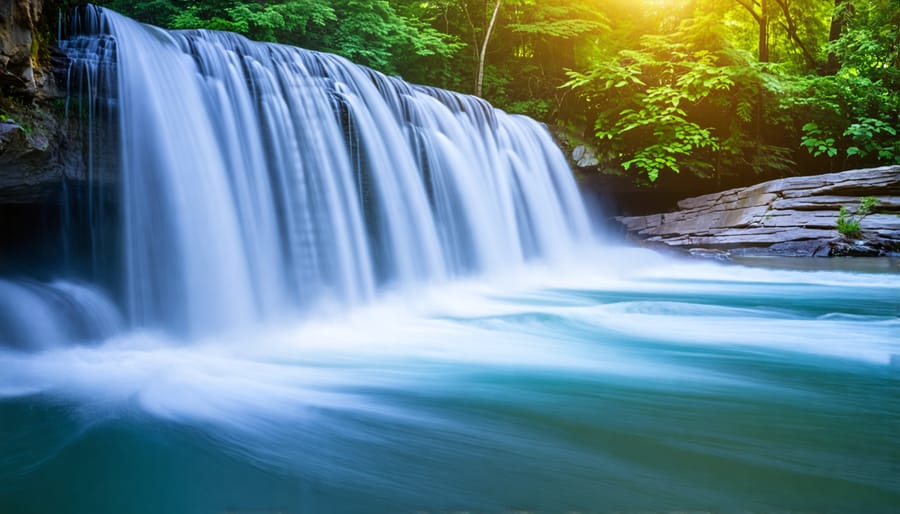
630,384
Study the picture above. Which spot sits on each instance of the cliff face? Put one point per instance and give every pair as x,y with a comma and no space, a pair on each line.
791,216
35,150
22,42
36,155
38,152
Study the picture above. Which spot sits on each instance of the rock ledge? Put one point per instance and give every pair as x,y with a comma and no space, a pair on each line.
794,216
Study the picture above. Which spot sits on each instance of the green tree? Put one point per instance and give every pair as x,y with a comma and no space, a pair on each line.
853,112
391,36
388,36
261,21
679,101
725,89
521,63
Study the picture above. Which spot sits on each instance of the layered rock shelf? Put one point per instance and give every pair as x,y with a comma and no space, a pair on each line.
790,216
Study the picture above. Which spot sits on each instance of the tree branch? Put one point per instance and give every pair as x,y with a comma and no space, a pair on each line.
749,6
791,28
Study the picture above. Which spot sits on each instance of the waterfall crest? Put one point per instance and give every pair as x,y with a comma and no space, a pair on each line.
256,179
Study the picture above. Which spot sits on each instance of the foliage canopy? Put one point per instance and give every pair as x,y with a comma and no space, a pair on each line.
729,90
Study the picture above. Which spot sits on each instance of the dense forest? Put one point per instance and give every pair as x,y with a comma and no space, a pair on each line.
727,90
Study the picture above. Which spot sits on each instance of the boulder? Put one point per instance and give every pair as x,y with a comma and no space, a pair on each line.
584,156
794,216
35,158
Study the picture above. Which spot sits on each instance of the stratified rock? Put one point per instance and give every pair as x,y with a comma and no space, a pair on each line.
19,33
791,216
38,151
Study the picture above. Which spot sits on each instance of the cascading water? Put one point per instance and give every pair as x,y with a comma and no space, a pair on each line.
257,178
237,184
37,316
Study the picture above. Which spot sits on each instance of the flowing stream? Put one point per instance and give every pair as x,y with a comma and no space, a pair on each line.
335,292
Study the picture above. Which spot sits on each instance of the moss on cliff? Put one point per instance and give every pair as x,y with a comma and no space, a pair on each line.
36,150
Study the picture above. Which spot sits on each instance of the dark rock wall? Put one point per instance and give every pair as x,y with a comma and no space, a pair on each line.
41,169
37,150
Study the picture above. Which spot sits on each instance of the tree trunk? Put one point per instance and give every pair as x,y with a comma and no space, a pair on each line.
764,31
479,81
793,34
837,27
762,20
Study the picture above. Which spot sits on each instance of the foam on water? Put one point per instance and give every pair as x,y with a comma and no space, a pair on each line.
534,378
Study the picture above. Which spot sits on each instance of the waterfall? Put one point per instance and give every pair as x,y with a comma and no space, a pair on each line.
35,316
258,179
224,331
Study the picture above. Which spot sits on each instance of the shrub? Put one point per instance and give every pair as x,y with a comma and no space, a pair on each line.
847,224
